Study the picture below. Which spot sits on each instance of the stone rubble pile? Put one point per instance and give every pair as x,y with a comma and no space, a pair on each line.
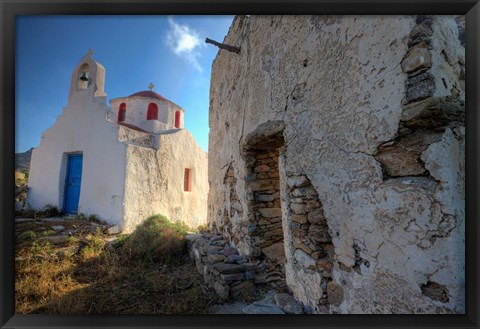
223,269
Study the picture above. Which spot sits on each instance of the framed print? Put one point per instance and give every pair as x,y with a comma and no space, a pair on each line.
235,164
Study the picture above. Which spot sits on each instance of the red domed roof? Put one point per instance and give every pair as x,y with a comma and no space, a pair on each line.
148,93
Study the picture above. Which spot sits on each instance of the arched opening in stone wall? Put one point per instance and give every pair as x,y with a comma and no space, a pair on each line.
262,152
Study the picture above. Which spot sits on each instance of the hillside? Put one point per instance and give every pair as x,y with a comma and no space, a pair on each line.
22,161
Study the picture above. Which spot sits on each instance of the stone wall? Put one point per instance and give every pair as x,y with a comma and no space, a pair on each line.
223,269
367,115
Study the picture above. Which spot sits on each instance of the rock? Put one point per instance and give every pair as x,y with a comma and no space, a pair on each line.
235,308
420,87
264,197
58,228
229,251
319,233
304,192
276,232
298,181
252,229
113,230
288,304
261,278
224,268
221,290
303,247
312,205
275,252
297,208
215,258
249,266
304,259
301,219
237,206
335,293
270,212
193,237
241,288
264,184
403,157
21,220
261,168
316,216
417,57
324,265
232,277
421,32
234,259
259,308
55,239
249,275
215,238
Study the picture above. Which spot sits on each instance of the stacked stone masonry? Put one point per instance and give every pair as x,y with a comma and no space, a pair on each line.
265,216
223,269
310,233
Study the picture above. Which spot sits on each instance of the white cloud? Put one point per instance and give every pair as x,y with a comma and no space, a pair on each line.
184,42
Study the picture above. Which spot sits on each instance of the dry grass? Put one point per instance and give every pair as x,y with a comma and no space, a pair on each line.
86,275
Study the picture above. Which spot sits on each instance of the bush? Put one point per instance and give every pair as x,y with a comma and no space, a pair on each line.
51,211
27,236
158,239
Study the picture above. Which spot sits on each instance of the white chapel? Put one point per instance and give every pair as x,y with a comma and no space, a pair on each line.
122,162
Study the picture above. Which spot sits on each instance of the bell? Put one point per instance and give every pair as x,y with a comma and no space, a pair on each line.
84,76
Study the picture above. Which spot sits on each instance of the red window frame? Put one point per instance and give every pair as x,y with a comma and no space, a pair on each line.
177,119
122,112
152,113
186,180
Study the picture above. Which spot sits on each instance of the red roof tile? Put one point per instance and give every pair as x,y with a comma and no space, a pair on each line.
148,93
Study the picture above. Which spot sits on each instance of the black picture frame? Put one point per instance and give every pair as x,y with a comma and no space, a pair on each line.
9,9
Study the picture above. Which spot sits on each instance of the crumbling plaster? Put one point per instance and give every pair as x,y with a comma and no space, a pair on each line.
337,84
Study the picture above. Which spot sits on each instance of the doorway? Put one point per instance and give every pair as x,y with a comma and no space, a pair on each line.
72,183
262,153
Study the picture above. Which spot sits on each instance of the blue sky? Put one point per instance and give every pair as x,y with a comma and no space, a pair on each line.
135,50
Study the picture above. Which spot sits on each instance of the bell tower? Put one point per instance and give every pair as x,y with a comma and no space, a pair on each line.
88,78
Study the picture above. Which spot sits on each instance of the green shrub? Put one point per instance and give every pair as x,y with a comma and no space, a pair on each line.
93,218
51,211
158,239
27,236
81,216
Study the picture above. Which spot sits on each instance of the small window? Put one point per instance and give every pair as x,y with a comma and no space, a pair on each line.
122,112
186,180
152,113
177,119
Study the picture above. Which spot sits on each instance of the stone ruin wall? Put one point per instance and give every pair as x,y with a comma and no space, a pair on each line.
366,115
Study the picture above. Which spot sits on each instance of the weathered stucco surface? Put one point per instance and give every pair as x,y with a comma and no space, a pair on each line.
367,116
155,180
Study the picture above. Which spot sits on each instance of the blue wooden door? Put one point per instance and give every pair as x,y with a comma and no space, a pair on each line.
73,182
